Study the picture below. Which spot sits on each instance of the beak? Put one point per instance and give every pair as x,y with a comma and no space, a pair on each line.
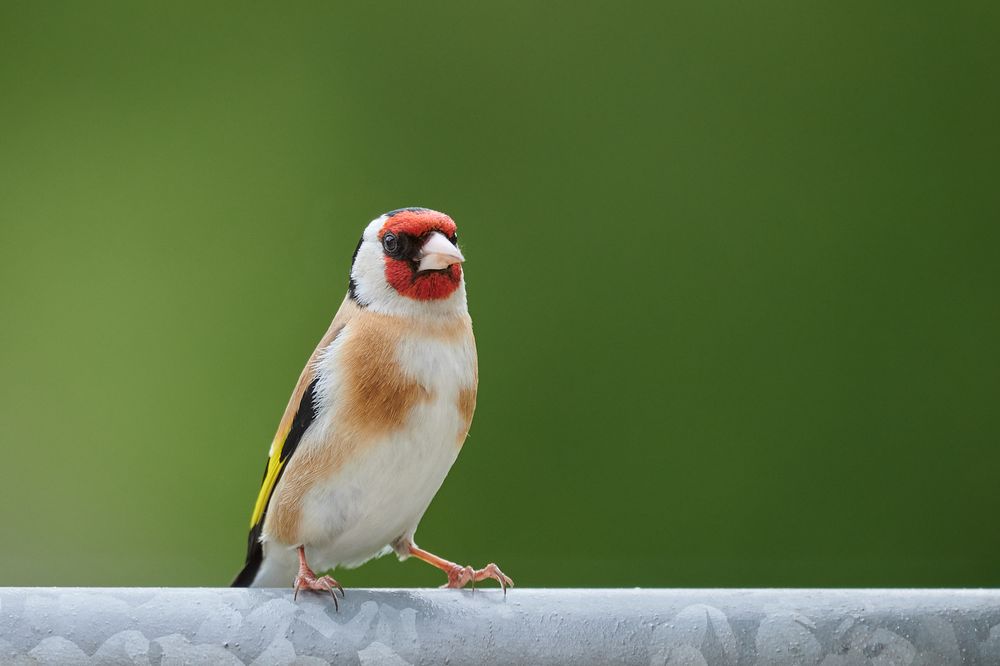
437,252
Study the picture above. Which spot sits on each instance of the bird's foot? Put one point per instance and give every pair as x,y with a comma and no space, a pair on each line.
308,580
459,576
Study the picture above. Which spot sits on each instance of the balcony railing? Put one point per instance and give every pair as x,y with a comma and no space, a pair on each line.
529,626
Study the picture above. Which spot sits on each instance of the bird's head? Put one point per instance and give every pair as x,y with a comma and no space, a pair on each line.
408,262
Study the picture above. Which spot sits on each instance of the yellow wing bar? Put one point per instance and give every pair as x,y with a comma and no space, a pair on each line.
274,466
282,448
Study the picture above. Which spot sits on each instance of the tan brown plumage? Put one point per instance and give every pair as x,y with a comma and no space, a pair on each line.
378,399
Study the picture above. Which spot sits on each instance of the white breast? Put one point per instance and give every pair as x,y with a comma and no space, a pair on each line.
440,366
383,492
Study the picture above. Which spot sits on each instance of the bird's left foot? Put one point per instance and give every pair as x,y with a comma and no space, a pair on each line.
459,576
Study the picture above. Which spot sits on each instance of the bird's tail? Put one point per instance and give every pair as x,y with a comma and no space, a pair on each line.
255,557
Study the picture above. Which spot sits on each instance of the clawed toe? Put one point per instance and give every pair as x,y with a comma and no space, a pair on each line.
334,584
491,570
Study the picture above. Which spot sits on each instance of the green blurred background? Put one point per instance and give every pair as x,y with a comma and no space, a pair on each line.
733,268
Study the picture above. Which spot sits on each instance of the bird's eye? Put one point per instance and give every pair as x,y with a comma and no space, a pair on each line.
454,238
390,243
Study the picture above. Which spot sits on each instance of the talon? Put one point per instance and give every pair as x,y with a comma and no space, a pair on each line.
500,577
491,570
330,589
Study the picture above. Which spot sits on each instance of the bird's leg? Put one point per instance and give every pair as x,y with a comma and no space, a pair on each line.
307,580
459,576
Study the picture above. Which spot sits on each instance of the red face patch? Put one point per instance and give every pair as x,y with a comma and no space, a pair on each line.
402,274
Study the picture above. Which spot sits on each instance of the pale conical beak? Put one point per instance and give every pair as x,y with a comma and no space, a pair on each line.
437,252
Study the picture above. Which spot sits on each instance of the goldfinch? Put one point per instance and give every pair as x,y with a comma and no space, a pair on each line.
377,417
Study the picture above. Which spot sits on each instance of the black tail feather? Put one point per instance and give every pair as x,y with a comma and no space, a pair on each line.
255,557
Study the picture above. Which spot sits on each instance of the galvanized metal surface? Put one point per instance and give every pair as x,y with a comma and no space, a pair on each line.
732,627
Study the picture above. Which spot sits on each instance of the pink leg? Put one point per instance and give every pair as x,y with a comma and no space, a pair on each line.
307,579
459,576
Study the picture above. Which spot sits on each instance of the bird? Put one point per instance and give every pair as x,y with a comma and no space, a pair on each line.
378,416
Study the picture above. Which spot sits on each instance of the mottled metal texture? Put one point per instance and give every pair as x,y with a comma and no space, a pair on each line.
732,627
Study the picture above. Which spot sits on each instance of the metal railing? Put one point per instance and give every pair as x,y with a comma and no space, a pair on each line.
529,626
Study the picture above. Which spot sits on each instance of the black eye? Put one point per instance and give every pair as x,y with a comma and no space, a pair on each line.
390,244
454,238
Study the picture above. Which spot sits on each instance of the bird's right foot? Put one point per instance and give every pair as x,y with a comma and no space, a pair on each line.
308,580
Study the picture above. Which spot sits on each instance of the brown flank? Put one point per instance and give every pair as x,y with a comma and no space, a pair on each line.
466,407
